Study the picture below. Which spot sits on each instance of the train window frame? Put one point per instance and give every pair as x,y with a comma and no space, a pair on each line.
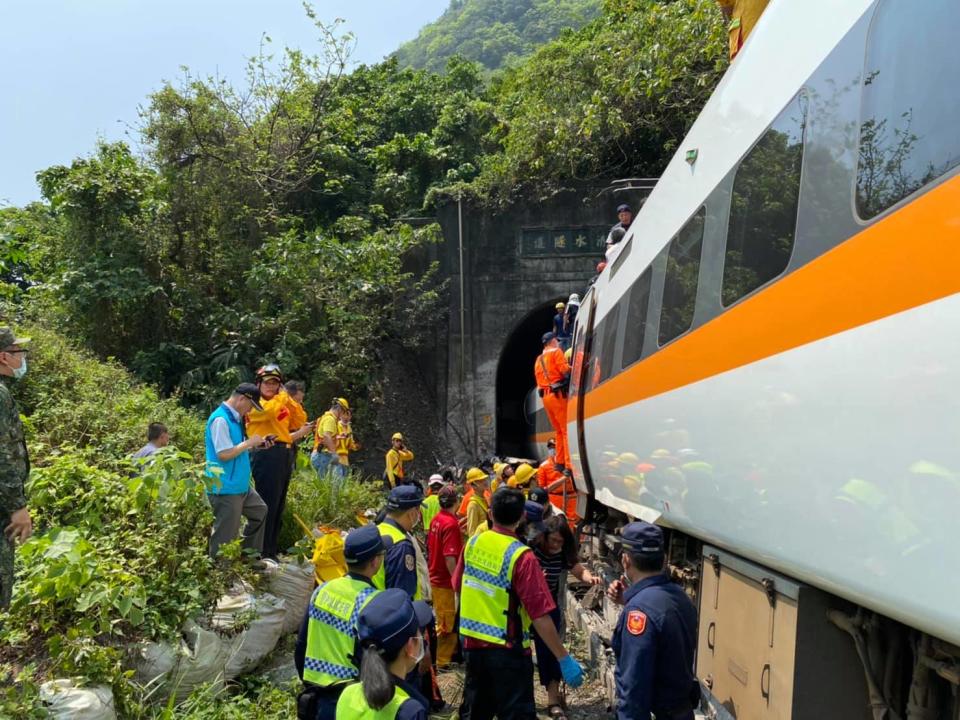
700,212
646,275
800,102
611,322
621,256
865,80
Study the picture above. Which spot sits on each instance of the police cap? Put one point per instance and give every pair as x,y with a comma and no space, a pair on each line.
539,495
642,538
390,619
533,511
624,208
362,544
404,497
547,337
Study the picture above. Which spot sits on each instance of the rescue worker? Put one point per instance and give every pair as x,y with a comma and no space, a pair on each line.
559,327
14,462
390,629
477,507
655,636
326,457
325,654
399,569
444,545
431,503
397,455
522,477
346,443
503,592
560,488
272,466
502,472
741,15
552,372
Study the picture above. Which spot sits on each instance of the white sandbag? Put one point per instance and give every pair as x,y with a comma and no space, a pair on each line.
199,658
293,583
248,648
64,700
152,663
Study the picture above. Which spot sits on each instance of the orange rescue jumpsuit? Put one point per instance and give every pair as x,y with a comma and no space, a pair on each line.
547,475
552,367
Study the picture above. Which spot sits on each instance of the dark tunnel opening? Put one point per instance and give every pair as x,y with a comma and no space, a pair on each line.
515,378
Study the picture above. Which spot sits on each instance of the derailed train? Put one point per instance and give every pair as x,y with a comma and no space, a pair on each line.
770,367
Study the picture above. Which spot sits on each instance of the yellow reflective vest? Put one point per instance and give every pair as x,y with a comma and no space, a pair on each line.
332,630
488,564
352,705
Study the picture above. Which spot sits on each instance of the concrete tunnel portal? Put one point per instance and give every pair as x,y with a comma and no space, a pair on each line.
515,378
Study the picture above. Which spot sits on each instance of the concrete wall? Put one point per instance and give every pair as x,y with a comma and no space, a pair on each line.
516,264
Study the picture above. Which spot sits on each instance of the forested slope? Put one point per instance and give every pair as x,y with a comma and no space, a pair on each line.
493,33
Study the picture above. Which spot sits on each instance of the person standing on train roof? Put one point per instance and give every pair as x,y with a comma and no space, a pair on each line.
552,372
326,644
272,467
390,630
559,326
398,454
502,593
655,636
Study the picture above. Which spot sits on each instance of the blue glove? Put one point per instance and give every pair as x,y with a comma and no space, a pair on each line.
572,672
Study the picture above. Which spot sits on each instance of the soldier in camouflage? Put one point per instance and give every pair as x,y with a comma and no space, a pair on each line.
14,463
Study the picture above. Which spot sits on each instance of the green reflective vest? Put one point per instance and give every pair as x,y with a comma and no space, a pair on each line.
353,706
488,564
332,630
388,530
429,509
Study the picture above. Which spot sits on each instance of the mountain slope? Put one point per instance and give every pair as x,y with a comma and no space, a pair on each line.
493,32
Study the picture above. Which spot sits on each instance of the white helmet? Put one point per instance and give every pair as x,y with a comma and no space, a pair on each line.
574,299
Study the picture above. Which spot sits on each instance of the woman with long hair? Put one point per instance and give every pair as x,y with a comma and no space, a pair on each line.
556,549
390,629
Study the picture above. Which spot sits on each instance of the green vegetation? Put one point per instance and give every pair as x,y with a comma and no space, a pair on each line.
494,33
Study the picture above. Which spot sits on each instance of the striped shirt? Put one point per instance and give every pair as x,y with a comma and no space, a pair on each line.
553,566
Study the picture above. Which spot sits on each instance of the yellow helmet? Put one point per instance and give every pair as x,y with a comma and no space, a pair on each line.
396,436
342,402
475,474
522,476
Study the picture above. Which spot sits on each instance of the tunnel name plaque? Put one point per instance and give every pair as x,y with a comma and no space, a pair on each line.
561,241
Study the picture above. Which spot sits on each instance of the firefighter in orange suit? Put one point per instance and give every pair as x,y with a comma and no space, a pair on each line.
552,372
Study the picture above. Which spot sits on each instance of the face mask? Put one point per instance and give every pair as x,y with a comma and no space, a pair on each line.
551,452
22,370
421,652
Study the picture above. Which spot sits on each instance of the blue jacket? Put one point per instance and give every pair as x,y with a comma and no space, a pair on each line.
654,642
400,564
234,478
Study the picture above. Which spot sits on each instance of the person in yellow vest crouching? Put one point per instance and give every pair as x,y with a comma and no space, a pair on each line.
392,643
326,645
400,565
502,592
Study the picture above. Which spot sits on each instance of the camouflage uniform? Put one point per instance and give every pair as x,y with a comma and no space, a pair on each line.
14,468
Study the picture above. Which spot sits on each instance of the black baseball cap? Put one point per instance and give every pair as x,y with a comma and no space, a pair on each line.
251,392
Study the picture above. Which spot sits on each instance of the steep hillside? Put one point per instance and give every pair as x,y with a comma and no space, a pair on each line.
493,32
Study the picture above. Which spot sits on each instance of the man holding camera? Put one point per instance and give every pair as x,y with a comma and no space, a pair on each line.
552,372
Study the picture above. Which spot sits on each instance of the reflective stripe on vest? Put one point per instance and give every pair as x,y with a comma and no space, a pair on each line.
331,630
353,706
488,565
388,530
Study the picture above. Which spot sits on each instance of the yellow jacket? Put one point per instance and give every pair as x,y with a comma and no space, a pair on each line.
394,464
476,513
345,442
280,416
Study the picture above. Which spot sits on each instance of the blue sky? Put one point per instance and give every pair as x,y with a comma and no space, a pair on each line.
75,70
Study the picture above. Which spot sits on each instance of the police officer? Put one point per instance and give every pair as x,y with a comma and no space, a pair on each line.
502,592
14,463
390,630
325,652
400,567
655,634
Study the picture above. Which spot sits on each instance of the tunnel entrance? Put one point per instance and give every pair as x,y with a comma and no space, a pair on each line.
515,378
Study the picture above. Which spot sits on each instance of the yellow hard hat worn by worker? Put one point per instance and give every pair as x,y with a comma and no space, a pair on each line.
342,402
522,477
559,306
397,436
475,474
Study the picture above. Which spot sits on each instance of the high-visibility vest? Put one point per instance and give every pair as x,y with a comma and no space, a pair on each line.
352,705
332,630
388,530
488,564
429,509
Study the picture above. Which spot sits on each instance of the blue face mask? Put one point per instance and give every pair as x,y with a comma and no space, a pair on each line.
22,370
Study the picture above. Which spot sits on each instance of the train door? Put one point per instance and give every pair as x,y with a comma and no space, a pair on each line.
582,346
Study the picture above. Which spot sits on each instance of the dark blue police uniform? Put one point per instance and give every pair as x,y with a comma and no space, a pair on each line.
400,563
654,640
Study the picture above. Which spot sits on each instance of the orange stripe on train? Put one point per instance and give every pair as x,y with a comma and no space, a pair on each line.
908,259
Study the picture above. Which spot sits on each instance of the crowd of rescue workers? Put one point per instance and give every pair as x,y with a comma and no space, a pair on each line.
481,591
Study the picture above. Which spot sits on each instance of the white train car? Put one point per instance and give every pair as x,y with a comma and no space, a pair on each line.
771,366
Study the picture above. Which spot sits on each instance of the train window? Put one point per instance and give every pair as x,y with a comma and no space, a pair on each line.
604,345
763,206
680,283
909,105
623,255
637,318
